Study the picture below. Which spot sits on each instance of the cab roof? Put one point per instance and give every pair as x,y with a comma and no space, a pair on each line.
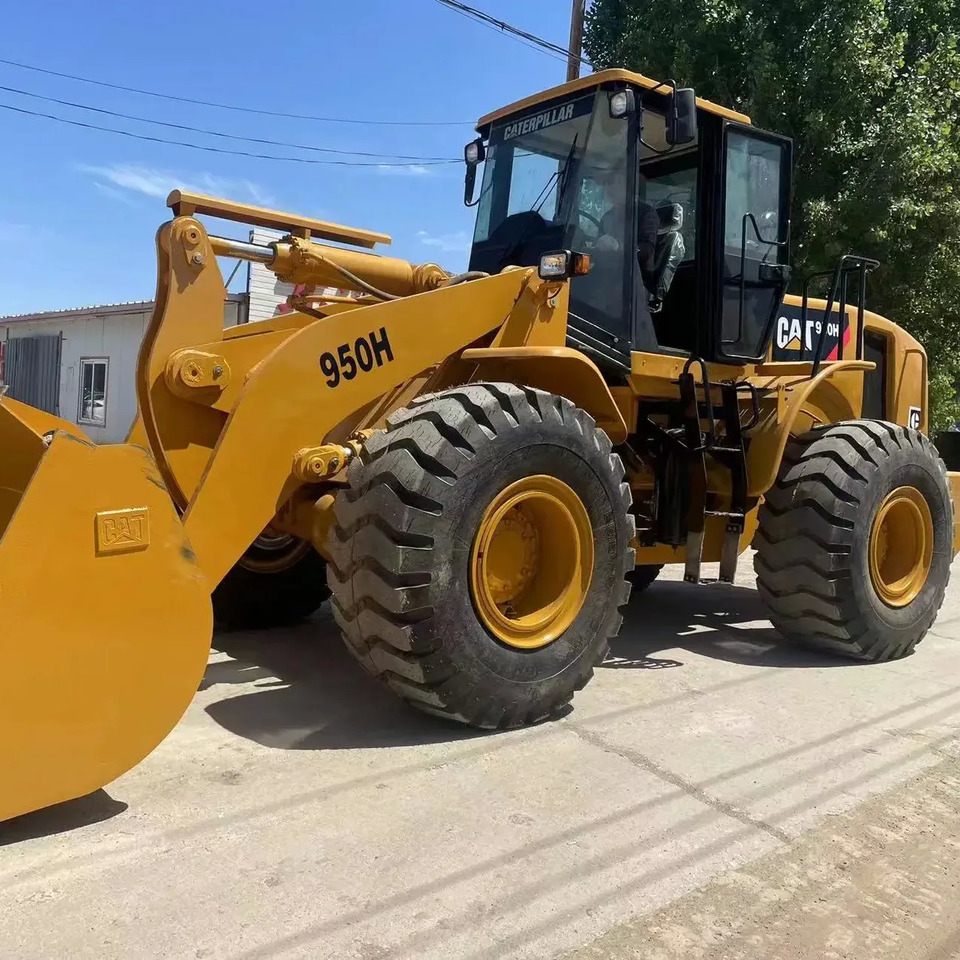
596,80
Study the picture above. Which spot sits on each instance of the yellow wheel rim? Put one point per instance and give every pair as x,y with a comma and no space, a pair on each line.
901,547
532,562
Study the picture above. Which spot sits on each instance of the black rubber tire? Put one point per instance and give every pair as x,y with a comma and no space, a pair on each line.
248,599
812,560
401,546
643,575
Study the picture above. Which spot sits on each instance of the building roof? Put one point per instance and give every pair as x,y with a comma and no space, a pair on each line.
130,306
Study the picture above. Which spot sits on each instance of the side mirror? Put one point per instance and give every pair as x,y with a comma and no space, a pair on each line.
473,155
682,117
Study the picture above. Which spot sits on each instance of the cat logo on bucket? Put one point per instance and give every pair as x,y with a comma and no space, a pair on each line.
122,531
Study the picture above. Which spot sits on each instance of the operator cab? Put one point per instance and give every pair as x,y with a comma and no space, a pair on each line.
682,206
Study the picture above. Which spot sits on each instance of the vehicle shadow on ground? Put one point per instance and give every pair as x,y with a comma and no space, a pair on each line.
309,694
61,818
721,621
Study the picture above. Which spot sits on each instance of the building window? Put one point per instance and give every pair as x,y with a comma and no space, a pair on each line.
93,392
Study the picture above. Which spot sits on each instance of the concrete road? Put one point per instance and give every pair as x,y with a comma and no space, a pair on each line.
299,811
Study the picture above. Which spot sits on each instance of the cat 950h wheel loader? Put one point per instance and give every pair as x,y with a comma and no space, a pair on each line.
483,462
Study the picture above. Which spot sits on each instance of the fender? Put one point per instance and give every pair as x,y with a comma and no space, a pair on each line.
560,370
769,440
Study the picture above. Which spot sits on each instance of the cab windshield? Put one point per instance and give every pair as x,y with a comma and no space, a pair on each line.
557,179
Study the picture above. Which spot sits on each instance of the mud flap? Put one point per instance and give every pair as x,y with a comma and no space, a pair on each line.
105,617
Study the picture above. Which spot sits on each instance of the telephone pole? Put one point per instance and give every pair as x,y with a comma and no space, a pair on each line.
576,39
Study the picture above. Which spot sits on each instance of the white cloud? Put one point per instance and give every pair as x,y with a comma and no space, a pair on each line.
458,242
158,183
112,192
404,169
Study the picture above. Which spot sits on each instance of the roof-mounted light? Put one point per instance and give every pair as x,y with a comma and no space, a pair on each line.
622,104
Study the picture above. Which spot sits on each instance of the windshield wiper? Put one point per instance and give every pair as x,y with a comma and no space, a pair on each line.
567,174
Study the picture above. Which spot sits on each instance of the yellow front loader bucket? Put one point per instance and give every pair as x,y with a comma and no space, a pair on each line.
105,617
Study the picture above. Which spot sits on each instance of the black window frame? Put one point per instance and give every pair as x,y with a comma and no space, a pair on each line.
719,351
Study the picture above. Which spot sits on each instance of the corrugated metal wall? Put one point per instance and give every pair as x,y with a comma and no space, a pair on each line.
32,371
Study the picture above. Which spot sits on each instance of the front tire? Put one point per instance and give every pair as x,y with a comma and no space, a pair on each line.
855,540
479,554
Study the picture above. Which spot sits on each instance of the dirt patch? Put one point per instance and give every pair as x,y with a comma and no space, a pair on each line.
880,882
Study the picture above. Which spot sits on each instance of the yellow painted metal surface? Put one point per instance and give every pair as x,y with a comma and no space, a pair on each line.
655,374
559,370
137,434
314,264
188,311
837,386
22,429
532,562
901,546
248,430
188,204
302,391
595,80
313,464
242,352
191,373
107,614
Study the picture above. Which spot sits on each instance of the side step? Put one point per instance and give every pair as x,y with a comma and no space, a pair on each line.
729,452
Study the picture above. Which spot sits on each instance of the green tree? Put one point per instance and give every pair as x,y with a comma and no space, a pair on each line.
869,90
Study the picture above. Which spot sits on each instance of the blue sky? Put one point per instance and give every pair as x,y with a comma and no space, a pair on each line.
79,208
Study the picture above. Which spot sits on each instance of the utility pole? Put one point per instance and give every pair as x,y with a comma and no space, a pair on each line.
576,39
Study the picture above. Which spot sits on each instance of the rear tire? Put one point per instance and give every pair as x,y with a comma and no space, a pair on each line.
823,543
404,552
276,583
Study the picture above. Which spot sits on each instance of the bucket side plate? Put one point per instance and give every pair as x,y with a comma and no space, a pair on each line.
105,622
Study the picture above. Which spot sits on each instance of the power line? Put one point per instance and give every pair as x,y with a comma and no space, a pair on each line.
554,49
233,106
226,136
499,32
208,149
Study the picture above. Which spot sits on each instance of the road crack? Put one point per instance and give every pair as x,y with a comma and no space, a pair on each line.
644,762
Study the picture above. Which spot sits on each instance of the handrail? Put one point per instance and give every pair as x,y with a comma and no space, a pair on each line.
749,217
838,287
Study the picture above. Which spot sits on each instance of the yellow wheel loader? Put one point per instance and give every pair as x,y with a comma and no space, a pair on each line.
483,463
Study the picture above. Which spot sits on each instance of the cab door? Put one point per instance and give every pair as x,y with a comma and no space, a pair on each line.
755,241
